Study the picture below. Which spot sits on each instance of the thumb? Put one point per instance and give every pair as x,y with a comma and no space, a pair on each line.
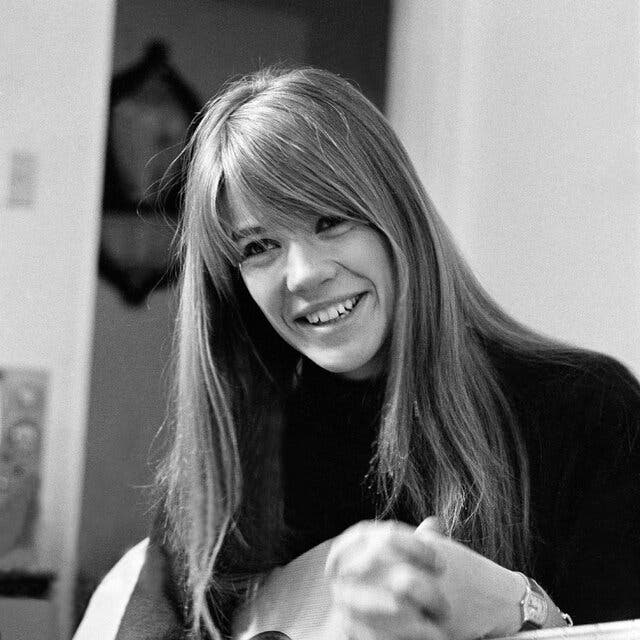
432,523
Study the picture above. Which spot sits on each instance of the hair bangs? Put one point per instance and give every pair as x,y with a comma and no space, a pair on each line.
281,180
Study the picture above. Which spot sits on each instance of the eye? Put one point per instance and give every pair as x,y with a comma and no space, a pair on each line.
326,223
258,247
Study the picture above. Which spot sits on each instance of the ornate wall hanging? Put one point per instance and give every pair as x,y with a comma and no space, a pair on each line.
151,110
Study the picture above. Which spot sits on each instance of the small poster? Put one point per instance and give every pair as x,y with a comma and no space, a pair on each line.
22,413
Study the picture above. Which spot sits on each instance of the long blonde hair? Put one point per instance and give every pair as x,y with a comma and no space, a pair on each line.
306,142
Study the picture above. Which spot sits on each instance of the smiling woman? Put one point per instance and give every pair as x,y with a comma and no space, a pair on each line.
346,389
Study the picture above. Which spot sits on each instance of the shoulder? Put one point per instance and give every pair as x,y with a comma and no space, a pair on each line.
594,380
604,398
572,396
564,375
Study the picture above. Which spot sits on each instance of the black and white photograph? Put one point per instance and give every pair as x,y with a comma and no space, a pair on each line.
319,320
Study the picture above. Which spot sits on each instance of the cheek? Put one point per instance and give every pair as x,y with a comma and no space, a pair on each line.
264,295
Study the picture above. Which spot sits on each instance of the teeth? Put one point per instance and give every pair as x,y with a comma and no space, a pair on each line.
333,312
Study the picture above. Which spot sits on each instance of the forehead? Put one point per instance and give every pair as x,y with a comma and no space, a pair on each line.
245,215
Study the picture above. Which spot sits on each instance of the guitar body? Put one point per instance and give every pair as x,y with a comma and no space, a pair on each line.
293,602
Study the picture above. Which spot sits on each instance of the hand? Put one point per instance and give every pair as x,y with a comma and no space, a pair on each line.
386,584
483,597
394,582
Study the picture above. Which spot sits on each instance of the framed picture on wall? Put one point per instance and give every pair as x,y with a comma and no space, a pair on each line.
22,413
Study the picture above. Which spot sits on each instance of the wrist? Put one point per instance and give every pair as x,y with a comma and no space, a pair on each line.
555,617
509,610
538,611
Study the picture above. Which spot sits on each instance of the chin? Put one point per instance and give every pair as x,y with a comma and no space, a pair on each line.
354,368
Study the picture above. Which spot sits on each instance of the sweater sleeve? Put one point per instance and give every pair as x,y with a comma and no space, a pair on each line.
589,546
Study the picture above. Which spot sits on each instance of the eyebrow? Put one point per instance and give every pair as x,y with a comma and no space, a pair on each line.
245,232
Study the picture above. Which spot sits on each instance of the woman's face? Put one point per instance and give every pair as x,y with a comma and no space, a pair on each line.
327,288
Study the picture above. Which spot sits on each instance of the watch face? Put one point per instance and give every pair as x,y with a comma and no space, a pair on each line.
535,609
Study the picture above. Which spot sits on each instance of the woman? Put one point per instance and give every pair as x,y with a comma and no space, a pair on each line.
341,374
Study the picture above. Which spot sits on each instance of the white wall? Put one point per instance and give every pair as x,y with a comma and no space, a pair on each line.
523,120
53,91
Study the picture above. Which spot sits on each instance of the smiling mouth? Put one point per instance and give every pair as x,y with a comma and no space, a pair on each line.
332,314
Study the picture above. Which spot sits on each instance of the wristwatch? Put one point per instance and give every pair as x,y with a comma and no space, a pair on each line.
533,605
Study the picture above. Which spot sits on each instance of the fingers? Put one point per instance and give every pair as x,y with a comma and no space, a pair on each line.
367,547
401,588
385,582
432,523
407,584
370,612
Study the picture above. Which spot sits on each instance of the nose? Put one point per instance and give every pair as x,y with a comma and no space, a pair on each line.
307,267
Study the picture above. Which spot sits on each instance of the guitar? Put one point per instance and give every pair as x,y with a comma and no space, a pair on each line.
293,603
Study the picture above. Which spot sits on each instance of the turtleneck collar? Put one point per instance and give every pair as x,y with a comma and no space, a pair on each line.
312,380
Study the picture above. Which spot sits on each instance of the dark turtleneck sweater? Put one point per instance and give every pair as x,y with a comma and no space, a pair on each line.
328,445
